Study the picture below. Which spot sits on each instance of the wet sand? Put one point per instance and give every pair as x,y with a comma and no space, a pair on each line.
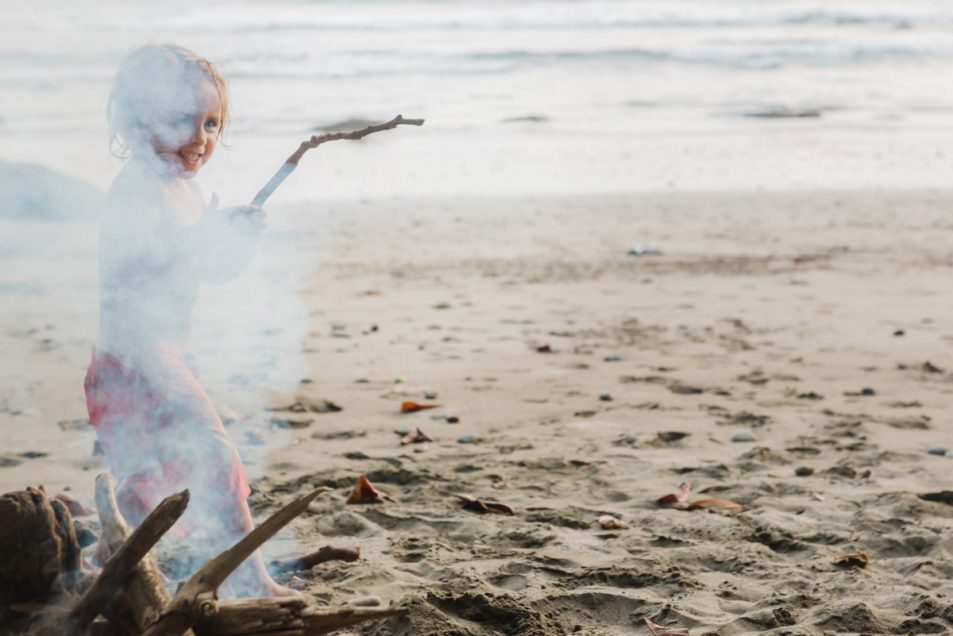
817,322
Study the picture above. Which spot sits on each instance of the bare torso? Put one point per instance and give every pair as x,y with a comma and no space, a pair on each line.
147,273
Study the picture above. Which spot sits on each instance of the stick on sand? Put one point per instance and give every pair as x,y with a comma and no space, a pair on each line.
292,162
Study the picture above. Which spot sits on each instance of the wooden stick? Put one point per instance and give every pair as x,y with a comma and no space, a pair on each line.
248,616
316,140
196,598
326,620
288,617
327,553
118,567
143,595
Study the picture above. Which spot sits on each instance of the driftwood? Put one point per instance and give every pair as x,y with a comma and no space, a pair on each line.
196,598
117,569
322,555
286,617
142,597
38,546
316,140
129,592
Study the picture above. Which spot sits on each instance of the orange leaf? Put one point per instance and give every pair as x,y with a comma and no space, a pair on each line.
478,505
684,489
415,437
726,505
858,560
365,492
661,630
411,407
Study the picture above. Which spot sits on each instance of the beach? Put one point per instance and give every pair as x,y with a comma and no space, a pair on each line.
668,284
816,321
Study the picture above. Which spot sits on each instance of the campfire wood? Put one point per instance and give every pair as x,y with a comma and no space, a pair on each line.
128,598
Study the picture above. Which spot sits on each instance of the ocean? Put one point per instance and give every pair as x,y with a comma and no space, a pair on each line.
520,97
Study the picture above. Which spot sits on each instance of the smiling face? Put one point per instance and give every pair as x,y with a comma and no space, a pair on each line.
184,136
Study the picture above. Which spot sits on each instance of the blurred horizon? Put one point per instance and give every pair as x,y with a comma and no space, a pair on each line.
546,96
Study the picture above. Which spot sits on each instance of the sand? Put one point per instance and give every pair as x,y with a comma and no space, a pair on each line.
816,321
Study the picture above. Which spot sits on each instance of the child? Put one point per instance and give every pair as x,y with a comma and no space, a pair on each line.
157,427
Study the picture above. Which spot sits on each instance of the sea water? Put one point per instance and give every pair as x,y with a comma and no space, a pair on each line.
520,96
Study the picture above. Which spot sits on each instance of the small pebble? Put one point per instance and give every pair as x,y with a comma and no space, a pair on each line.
743,435
452,419
803,471
899,332
937,450
605,397
400,430
84,535
366,601
254,438
949,453
867,391
613,359
467,439
430,395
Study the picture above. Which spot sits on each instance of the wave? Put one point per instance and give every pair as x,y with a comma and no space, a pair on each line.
763,56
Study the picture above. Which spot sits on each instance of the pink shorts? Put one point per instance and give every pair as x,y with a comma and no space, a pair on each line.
161,434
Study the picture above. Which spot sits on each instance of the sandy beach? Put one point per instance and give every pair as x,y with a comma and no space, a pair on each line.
580,380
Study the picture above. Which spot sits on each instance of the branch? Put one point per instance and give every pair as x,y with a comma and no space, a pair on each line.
327,553
330,619
287,617
143,594
131,552
196,598
316,140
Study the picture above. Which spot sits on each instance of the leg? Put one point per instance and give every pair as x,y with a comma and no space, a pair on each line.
197,452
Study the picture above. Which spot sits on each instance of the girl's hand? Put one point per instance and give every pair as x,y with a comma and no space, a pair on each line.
224,241
250,218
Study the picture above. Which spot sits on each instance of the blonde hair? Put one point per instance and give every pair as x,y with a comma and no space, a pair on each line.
150,78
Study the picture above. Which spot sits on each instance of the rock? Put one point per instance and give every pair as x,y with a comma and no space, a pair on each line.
452,419
291,421
84,533
937,450
645,249
9,460
467,439
402,430
803,471
254,438
743,435
366,601
605,397
613,358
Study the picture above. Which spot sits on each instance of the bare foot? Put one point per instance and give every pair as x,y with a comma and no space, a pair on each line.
252,579
276,590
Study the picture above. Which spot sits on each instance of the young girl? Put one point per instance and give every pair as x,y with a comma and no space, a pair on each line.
158,428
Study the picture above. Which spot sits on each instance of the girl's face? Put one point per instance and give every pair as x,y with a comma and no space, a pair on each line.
184,136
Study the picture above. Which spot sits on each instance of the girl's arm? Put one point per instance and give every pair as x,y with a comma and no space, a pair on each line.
224,241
